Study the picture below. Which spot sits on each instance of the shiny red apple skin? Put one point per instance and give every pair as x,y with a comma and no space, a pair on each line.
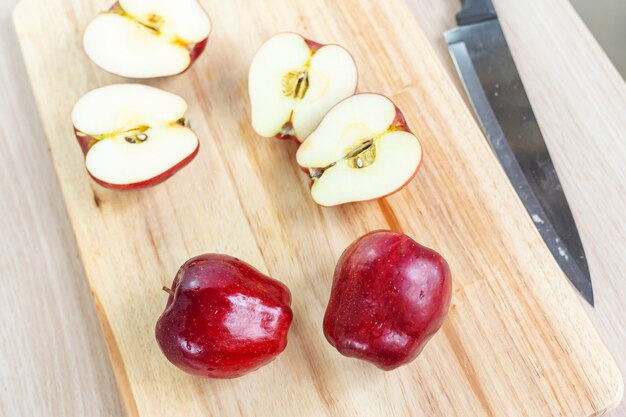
390,295
196,51
224,319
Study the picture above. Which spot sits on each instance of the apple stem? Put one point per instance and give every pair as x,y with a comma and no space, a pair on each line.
169,291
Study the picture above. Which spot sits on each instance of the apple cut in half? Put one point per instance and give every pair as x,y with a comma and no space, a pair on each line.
362,150
133,136
293,82
148,38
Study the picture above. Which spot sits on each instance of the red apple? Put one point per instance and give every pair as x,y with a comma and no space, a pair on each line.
294,81
147,38
390,295
361,150
133,136
223,318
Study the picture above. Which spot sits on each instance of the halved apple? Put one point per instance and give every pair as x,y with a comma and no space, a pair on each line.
133,136
147,38
362,150
293,82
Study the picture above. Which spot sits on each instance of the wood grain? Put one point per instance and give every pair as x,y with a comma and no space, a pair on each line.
283,244
580,101
52,359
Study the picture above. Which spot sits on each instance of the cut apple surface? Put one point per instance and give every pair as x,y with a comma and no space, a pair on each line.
147,38
293,82
133,135
361,150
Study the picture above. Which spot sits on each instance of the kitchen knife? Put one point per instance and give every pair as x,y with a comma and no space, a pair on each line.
483,59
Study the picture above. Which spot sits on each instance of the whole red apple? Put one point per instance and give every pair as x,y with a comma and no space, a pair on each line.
223,318
390,295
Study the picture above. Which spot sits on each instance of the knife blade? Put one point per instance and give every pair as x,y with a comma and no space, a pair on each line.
490,78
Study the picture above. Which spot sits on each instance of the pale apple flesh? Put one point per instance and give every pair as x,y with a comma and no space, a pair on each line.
293,82
147,38
133,135
362,150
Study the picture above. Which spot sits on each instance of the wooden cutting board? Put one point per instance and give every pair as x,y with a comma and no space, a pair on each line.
516,341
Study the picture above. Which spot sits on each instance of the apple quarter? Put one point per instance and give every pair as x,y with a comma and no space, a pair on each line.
147,38
361,150
133,135
293,82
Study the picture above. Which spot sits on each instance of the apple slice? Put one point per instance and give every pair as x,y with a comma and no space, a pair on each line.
147,38
362,150
133,136
293,82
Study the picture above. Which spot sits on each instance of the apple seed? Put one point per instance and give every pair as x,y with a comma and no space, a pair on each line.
363,156
295,83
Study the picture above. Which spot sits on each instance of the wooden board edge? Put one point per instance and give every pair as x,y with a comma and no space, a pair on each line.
619,392
614,375
16,15
117,362
121,377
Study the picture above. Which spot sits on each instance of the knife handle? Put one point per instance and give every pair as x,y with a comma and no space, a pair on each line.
475,11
